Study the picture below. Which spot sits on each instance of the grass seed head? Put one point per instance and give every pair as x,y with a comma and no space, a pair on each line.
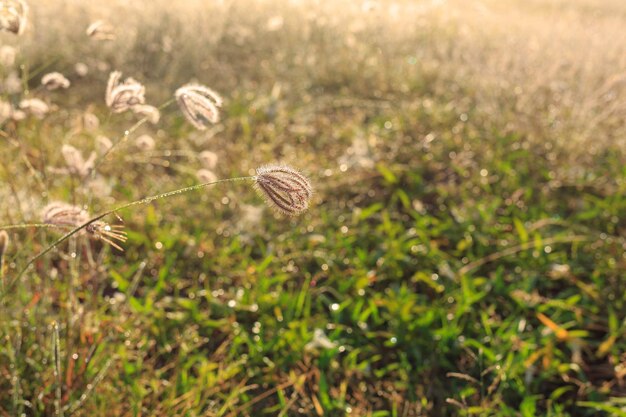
103,144
76,163
145,142
64,215
91,123
6,111
122,96
149,112
100,31
199,105
284,188
109,233
35,106
205,175
81,69
7,56
4,244
54,80
13,16
208,159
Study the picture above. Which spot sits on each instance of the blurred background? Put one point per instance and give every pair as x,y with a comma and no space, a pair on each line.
464,253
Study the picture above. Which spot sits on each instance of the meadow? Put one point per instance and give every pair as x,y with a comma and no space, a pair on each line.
463,253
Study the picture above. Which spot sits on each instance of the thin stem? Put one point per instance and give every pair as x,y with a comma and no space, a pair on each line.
56,349
42,68
28,226
106,213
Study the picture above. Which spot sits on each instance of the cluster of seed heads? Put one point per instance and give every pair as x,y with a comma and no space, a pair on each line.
282,187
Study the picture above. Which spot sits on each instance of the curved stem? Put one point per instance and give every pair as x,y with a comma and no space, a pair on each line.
108,212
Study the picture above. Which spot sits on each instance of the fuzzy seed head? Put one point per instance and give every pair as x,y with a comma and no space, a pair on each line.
103,144
4,244
284,188
12,83
90,122
100,31
35,106
145,142
6,111
122,96
81,69
199,104
64,215
18,115
54,80
13,14
205,175
75,162
67,216
149,112
208,159
7,56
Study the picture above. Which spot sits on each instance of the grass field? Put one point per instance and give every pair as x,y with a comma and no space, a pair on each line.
464,252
